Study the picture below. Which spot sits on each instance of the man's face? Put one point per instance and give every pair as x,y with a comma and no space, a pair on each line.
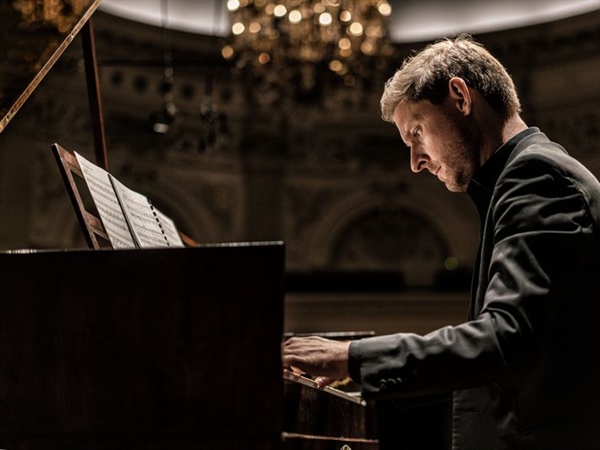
440,141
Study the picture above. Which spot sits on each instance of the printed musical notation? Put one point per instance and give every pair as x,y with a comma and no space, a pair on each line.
148,225
108,206
129,218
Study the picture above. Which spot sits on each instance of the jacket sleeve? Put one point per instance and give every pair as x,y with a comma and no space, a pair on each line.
542,232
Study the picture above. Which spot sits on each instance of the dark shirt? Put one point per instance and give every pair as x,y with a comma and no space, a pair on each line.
483,182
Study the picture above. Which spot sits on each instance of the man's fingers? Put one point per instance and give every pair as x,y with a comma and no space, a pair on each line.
323,381
316,356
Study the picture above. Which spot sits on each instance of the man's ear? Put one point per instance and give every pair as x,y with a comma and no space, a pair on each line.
460,95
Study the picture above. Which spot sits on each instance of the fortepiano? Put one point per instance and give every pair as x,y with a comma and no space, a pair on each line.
145,349
141,349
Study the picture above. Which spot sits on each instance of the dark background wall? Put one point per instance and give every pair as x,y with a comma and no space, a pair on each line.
369,245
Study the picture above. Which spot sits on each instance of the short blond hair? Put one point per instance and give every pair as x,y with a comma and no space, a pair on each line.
425,76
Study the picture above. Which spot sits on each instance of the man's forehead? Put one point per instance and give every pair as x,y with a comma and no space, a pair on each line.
405,113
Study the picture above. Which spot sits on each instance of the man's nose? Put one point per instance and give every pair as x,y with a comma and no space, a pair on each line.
418,160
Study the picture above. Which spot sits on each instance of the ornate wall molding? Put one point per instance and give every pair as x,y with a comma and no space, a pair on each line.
329,166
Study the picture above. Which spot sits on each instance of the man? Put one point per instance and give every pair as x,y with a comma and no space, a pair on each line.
524,368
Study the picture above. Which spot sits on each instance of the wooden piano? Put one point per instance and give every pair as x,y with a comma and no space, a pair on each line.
170,349
141,349
175,348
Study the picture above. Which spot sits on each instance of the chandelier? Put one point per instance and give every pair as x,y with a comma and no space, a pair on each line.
60,14
299,47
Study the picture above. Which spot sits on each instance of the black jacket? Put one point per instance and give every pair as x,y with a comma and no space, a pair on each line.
525,367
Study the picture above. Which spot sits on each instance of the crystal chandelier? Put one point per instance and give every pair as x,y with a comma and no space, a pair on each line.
298,47
61,14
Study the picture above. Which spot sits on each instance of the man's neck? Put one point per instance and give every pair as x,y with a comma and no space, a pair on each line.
499,132
512,126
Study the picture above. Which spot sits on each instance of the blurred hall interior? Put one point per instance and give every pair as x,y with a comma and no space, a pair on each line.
369,245
297,154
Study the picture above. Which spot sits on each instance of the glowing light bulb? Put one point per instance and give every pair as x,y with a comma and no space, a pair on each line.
325,19
335,65
295,16
238,28
344,43
254,27
356,28
280,11
227,52
384,8
233,5
264,58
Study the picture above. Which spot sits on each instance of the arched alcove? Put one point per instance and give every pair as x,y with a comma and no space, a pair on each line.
410,223
391,238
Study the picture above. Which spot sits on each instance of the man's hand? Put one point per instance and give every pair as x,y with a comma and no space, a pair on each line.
325,359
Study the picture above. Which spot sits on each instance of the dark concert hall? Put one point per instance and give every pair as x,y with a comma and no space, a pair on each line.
219,227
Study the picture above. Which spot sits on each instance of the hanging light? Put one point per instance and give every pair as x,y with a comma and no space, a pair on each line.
286,45
61,14
163,120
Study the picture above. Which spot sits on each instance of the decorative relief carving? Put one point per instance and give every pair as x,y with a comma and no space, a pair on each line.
323,149
305,206
391,238
317,207
220,201
578,131
334,150
49,112
212,183
573,38
51,118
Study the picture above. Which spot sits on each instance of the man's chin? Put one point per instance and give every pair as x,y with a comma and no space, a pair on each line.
455,187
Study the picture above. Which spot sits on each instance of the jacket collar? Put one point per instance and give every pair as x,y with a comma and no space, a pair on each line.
482,184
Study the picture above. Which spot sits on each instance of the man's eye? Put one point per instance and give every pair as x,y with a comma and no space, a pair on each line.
417,132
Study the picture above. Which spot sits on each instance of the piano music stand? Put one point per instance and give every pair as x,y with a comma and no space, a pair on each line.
92,226
94,231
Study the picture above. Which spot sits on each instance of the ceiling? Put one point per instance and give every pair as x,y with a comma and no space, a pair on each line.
411,20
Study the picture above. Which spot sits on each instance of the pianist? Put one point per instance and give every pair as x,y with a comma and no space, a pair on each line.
523,368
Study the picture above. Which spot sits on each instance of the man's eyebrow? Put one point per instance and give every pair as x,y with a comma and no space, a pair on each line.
404,141
405,133
411,122
402,134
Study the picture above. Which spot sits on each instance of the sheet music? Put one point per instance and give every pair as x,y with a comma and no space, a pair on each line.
140,215
107,204
149,226
169,228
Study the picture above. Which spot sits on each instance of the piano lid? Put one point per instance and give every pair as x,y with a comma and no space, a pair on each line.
34,34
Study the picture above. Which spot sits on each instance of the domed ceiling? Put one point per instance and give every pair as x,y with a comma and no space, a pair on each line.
411,21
